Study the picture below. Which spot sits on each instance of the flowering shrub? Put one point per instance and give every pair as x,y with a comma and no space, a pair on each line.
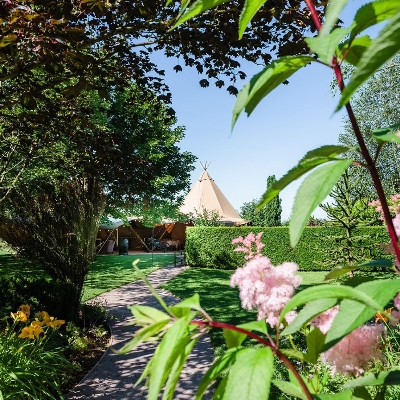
337,320
28,368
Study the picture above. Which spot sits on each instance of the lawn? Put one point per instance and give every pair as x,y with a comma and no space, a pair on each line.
220,300
106,273
109,272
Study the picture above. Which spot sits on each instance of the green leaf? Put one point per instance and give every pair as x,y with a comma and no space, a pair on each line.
293,354
197,8
172,344
361,393
385,46
382,262
258,326
233,338
386,378
312,159
373,13
142,335
266,81
308,312
328,291
175,373
353,51
383,131
353,314
191,303
325,46
333,11
291,389
219,366
315,343
311,194
8,39
339,271
393,137
250,377
145,315
250,8
346,395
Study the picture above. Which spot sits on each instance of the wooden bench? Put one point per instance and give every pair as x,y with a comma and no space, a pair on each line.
179,258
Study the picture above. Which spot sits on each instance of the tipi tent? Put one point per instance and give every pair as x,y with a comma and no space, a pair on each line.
205,195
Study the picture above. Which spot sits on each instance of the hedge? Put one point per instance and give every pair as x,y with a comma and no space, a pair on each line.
211,247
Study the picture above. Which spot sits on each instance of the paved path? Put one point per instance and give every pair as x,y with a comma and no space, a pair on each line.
114,376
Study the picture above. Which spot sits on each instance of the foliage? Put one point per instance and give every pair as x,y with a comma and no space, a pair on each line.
333,319
208,247
29,368
57,55
56,226
269,215
206,218
375,106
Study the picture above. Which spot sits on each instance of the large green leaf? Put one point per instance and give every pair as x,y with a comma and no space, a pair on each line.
373,13
142,335
250,377
311,194
219,366
308,312
333,10
361,393
339,271
249,10
381,49
233,338
192,303
266,81
353,51
329,291
346,395
353,314
315,343
173,378
291,389
258,326
145,315
197,8
325,46
173,343
383,378
312,159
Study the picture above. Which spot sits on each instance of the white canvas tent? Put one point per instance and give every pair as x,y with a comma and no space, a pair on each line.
205,195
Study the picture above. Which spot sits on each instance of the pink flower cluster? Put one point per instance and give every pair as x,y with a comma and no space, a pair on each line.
352,354
324,320
267,288
396,313
249,242
394,208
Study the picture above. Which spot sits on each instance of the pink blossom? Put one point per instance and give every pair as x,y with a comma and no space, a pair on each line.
396,224
324,320
248,242
266,288
352,354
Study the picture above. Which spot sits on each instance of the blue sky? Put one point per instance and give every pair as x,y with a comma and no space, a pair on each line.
292,120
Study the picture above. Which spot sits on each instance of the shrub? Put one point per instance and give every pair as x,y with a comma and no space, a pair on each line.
40,293
211,247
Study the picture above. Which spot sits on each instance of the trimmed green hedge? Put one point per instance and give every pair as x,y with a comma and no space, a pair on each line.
211,247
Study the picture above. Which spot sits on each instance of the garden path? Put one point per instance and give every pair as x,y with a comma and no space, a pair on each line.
114,375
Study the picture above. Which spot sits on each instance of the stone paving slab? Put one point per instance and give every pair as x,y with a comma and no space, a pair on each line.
114,375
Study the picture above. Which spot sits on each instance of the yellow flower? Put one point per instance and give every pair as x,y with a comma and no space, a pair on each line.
31,332
26,309
19,316
380,317
43,316
37,323
55,323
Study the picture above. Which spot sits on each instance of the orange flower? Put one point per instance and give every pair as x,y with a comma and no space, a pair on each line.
381,317
31,332
55,323
26,309
43,316
19,316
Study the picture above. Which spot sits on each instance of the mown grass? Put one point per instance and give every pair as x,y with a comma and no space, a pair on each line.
106,273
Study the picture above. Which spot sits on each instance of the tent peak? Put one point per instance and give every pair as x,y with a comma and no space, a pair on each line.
205,166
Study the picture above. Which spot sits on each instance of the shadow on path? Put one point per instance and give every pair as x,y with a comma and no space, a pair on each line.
114,376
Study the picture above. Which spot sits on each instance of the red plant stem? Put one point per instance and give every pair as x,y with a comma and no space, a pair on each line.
271,344
364,151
